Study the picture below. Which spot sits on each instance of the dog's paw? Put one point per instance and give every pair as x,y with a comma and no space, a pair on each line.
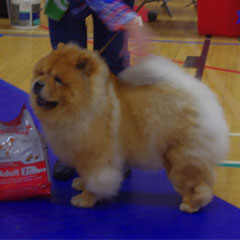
201,197
77,184
187,208
84,200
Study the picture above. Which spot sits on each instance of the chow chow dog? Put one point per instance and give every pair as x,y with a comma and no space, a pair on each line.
152,116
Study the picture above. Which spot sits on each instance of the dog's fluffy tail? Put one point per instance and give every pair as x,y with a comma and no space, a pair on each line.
156,70
151,70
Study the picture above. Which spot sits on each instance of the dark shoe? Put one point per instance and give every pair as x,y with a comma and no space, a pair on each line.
127,173
62,171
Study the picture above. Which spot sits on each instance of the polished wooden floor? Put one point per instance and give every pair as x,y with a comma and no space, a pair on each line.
176,38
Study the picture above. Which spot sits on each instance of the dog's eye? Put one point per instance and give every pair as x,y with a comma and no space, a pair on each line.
58,80
81,65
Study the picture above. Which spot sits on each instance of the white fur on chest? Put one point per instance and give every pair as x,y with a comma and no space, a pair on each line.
67,140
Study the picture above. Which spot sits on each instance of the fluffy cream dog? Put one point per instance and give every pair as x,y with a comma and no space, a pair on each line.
153,116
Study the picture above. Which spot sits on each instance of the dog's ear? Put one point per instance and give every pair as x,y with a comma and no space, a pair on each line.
60,45
86,64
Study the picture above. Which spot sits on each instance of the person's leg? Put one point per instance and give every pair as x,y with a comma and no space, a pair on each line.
68,29
112,53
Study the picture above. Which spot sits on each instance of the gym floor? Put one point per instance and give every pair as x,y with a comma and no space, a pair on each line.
176,38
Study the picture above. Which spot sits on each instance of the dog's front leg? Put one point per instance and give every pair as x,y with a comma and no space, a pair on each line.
85,199
100,183
77,184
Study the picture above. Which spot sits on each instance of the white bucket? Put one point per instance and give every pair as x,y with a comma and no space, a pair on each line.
25,14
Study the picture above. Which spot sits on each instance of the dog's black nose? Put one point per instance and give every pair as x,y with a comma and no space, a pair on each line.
37,87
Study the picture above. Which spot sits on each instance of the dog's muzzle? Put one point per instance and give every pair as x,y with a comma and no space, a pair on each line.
37,87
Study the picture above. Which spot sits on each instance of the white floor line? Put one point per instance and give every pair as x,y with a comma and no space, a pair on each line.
234,134
231,162
22,31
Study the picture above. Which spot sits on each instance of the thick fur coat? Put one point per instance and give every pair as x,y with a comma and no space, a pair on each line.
152,116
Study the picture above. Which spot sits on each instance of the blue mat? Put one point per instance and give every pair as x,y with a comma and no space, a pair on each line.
147,206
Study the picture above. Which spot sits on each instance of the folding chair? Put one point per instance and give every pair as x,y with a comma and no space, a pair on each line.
194,2
164,4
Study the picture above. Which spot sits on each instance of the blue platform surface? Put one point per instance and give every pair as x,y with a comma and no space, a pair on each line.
146,207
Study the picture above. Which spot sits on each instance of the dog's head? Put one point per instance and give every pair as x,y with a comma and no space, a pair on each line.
62,80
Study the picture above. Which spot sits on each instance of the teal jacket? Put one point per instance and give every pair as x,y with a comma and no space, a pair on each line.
113,13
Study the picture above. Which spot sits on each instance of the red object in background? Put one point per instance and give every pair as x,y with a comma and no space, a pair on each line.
218,17
143,12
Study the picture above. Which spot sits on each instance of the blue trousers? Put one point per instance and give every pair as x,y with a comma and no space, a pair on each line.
74,29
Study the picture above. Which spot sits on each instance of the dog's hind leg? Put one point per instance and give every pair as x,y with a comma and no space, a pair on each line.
190,178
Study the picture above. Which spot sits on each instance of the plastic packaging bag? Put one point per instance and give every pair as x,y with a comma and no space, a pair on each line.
23,160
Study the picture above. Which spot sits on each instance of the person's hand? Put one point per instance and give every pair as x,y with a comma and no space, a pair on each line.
136,22
139,35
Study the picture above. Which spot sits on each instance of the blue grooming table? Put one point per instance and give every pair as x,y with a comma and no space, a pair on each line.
146,207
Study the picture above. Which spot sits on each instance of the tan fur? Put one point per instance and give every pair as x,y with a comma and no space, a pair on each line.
101,124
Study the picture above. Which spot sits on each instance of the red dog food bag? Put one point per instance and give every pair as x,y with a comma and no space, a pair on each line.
24,168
